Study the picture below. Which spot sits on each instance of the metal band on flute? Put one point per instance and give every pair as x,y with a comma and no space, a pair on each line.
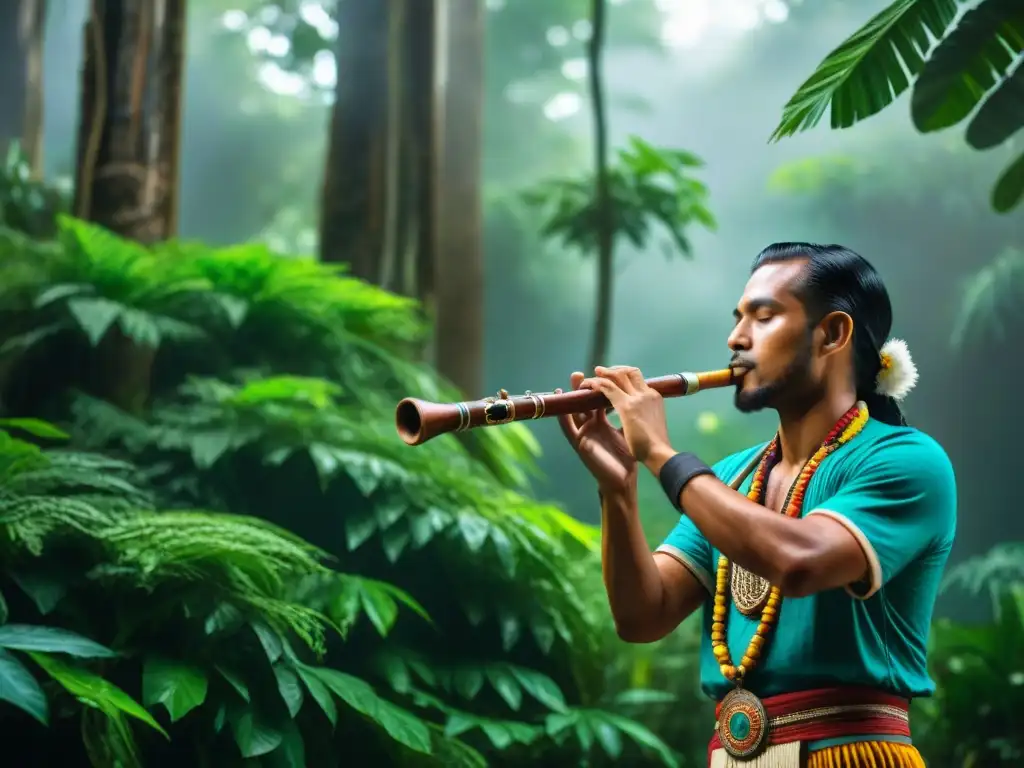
419,420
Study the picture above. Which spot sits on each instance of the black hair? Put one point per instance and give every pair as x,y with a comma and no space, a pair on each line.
835,279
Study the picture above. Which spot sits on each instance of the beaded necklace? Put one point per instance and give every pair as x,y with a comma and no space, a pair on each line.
742,723
846,428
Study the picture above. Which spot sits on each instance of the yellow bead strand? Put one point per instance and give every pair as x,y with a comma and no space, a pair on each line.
844,431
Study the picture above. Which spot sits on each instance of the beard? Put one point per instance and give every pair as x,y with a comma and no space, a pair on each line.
792,386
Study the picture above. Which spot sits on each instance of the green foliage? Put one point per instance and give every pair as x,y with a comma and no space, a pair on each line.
875,55
990,298
85,546
280,577
648,187
970,721
1001,566
27,204
643,678
19,687
815,175
971,72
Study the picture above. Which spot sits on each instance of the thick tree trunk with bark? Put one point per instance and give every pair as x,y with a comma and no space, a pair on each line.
21,77
376,208
127,166
352,208
459,268
130,119
401,191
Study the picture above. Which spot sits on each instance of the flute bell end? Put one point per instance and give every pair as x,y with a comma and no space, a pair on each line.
409,422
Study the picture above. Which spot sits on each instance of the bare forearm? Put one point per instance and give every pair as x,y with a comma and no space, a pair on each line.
631,576
764,542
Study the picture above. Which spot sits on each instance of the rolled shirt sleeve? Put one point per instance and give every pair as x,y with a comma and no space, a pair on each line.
687,546
899,503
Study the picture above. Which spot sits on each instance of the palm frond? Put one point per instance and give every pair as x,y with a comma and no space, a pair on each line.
971,61
871,69
1009,188
989,297
1002,114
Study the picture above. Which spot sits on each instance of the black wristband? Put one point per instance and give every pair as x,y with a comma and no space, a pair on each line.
677,472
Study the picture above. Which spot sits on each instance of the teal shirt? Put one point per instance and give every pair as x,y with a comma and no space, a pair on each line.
894,489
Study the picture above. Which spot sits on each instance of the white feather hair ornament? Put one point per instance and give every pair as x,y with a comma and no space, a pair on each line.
898,374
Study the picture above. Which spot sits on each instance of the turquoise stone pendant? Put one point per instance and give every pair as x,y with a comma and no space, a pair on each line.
742,724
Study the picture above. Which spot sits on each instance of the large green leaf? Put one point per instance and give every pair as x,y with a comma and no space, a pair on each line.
94,690
320,693
292,752
968,64
235,682
179,687
29,637
594,725
378,600
541,687
1002,114
19,687
402,726
46,590
34,427
290,689
501,733
868,71
95,316
253,735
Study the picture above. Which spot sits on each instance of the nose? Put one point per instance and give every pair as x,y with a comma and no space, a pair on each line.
738,340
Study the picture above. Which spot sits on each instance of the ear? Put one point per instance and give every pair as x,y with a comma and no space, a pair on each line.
837,332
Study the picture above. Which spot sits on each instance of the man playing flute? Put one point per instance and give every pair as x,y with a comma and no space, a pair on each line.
815,558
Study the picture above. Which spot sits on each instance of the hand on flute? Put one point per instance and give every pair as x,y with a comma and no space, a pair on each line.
602,448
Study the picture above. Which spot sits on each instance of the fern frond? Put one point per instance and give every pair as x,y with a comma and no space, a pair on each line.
27,521
249,560
77,474
996,570
189,542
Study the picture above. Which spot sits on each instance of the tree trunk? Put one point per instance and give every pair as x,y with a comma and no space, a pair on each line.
376,211
459,269
130,120
128,152
401,191
21,78
602,198
353,207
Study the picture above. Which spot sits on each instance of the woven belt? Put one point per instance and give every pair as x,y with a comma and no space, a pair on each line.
746,725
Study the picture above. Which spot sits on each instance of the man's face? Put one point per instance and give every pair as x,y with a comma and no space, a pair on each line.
773,341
